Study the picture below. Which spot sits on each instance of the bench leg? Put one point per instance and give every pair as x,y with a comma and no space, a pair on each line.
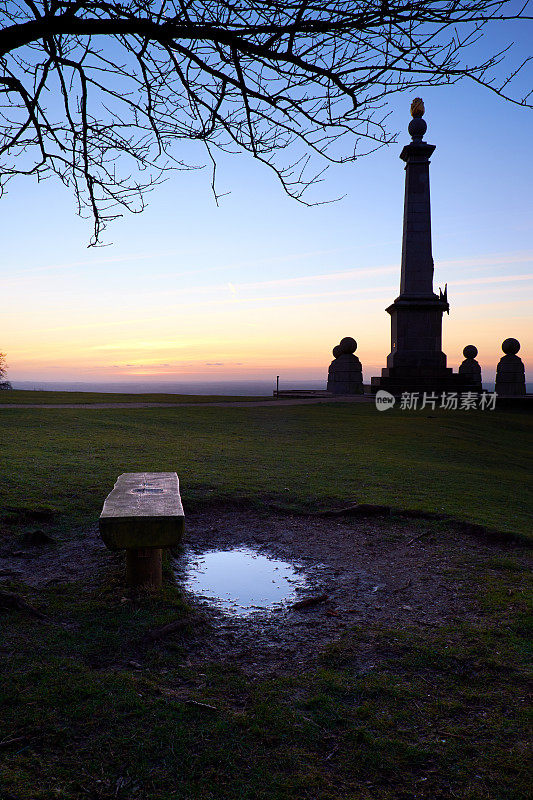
143,567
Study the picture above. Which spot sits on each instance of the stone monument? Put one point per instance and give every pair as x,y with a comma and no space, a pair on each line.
416,361
510,373
470,371
345,374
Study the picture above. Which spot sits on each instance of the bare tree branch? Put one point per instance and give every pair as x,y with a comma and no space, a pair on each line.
102,93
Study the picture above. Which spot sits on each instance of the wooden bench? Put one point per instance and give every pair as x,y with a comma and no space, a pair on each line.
142,515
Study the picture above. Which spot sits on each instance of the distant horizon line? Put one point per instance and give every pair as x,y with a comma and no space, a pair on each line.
249,387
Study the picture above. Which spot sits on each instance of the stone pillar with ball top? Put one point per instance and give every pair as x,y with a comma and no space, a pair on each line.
416,361
510,373
470,370
345,374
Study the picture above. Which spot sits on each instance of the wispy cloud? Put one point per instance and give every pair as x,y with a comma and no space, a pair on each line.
153,344
493,279
158,345
15,271
481,262
488,260
328,277
343,293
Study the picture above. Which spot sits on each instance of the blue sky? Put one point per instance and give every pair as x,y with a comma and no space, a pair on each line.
262,285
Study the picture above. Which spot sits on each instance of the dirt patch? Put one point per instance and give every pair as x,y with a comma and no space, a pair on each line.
375,571
390,572
33,560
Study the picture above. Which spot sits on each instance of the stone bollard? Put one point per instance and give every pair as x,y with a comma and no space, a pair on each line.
510,373
470,369
345,374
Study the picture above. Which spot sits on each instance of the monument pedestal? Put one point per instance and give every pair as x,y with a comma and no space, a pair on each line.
416,362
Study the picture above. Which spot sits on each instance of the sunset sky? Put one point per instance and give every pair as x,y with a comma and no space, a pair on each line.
263,286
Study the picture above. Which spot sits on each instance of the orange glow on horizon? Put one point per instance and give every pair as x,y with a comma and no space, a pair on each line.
265,332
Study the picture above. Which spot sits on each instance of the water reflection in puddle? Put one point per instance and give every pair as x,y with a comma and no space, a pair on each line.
242,581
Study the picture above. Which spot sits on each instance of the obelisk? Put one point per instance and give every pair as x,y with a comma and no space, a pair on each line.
416,361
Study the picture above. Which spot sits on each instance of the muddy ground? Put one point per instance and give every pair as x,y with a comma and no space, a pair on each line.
384,571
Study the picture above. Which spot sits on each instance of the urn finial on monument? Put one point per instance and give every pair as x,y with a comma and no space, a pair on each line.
417,126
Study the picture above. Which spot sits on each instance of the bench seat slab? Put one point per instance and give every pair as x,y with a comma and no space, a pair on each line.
143,510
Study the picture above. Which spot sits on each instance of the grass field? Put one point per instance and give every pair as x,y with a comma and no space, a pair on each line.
88,714
471,465
23,396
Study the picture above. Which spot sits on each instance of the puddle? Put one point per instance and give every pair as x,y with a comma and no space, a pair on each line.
241,581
